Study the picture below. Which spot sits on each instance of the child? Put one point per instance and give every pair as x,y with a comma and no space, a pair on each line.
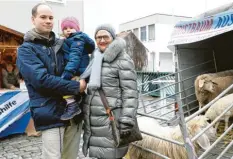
77,46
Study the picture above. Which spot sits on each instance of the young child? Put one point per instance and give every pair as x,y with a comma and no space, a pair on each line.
77,46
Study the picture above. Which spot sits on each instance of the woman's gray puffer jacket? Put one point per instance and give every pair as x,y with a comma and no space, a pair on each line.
119,83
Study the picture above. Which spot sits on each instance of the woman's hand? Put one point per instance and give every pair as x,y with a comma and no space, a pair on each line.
83,85
125,129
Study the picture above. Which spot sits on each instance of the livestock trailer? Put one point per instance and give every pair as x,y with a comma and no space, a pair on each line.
201,45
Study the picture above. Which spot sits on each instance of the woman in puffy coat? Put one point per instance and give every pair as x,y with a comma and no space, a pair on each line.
111,70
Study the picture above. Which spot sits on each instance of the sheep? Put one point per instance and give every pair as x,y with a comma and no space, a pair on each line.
218,107
168,149
209,86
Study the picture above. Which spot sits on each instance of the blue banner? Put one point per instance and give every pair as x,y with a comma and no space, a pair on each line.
14,108
200,29
221,20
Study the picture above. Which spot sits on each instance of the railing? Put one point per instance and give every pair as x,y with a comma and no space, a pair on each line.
145,81
167,92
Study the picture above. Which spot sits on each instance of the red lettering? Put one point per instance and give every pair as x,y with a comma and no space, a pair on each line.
209,25
186,28
198,27
179,30
190,28
193,28
182,29
203,25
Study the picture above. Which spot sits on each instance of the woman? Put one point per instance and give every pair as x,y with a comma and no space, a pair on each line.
111,70
10,76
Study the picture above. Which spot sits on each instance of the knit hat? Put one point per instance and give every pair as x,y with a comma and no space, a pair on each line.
70,22
108,27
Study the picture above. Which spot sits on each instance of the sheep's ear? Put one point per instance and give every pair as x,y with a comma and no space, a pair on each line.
201,83
203,141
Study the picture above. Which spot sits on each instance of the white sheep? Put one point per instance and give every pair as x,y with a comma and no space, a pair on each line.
168,149
209,86
218,107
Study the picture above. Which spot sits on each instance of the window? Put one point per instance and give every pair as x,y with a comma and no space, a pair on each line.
135,31
143,33
57,1
151,32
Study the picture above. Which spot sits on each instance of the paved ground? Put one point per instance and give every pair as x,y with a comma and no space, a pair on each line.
23,147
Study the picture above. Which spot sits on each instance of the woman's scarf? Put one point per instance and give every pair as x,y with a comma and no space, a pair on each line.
94,70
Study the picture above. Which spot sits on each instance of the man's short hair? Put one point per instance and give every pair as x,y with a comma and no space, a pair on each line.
34,9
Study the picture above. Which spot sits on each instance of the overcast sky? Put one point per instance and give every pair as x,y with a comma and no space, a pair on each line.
119,11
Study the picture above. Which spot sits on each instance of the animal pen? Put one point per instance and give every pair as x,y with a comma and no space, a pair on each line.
202,45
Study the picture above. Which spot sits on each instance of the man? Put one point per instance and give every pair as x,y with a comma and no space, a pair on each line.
40,61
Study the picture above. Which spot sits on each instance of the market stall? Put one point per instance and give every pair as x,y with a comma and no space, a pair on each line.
14,103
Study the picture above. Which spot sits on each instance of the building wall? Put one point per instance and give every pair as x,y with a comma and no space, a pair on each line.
152,19
20,17
163,27
166,62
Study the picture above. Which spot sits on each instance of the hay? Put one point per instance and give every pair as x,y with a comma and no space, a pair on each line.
127,156
228,137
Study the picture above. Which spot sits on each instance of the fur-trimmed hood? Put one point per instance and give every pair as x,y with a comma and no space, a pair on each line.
114,48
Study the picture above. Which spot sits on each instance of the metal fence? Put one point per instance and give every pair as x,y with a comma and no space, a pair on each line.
150,84
167,92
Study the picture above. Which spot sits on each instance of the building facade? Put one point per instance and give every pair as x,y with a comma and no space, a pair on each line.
155,31
16,14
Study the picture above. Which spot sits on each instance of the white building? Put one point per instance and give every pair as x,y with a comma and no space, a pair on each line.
154,31
16,14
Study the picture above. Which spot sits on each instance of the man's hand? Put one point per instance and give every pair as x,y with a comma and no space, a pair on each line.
83,85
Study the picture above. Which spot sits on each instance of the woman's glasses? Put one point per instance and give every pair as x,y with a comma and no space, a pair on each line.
105,37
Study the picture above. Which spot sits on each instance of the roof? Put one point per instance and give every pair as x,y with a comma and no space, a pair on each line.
6,29
217,10
156,14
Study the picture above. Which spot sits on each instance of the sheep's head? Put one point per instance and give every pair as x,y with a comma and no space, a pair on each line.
196,125
207,85
205,89
211,114
203,97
